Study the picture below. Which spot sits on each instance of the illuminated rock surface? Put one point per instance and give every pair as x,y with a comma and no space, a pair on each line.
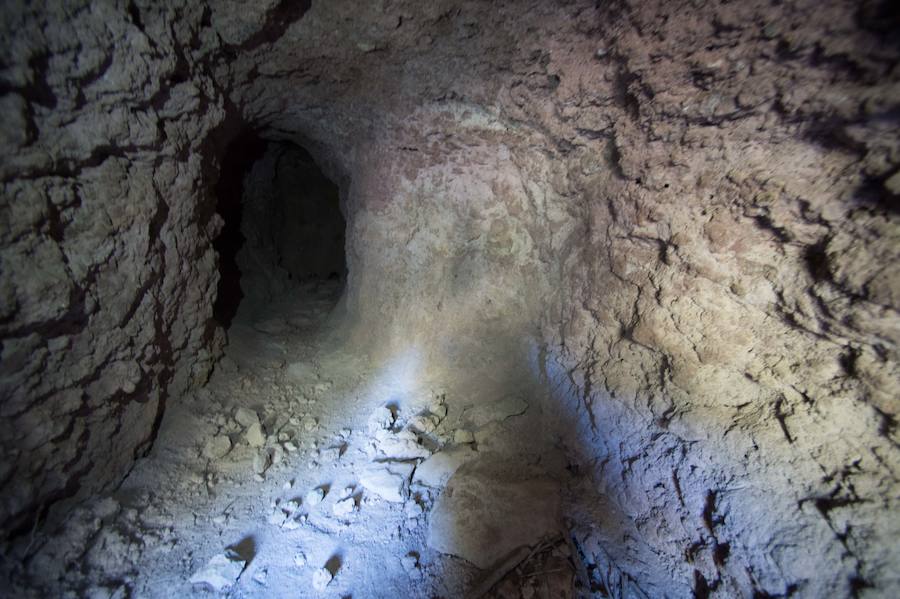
651,248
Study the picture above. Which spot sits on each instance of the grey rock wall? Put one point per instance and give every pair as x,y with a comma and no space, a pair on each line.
681,214
107,274
694,202
730,322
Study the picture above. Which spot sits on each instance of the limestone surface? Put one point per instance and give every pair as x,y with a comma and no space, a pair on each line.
662,237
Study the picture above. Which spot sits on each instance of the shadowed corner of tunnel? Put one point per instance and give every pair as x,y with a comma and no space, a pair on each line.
274,192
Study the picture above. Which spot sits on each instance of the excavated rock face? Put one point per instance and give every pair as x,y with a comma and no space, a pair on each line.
681,215
108,274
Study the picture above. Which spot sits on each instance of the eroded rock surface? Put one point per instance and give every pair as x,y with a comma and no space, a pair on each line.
680,216
107,272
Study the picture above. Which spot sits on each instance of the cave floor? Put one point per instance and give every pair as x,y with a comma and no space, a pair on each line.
217,484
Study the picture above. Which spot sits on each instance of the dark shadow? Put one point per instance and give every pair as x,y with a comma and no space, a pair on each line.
277,21
274,193
244,549
242,153
334,563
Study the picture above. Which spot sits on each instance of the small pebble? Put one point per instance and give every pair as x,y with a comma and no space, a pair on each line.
344,507
261,576
314,497
321,579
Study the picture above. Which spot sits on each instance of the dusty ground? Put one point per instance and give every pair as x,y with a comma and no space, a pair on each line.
317,404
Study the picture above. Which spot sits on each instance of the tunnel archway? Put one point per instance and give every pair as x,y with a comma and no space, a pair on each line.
283,225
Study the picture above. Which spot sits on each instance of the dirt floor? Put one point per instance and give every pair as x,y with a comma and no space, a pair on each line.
303,469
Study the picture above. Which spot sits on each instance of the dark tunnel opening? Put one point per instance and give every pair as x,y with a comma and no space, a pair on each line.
239,158
283,225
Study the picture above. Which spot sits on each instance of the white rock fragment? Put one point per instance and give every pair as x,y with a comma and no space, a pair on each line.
314,497
410,564
344,507
276,455
288,484
437,470
261,462
260,576
300,559
290,447
220,573
255,436
217,447
387,481
246,417
381,419
321,578
424,423
463,437
403,445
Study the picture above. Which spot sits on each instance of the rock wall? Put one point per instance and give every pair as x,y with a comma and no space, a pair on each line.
695,200
107,273
729,324
681,214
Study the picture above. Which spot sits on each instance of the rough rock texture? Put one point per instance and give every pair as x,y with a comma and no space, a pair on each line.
107,276
681,214
694,200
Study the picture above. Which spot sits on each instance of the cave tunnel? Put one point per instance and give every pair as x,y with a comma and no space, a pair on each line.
283,225
471,300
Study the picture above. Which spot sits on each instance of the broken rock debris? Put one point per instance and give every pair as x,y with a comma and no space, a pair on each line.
246,417
314,497
255,435
219,573
217,447
321,578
